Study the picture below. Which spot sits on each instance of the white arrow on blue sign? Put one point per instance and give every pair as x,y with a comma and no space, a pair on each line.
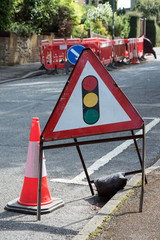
73,53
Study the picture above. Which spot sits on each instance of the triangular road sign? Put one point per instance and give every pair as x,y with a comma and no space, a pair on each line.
90,103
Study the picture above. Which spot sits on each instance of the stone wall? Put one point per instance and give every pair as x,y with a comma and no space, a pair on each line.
19,50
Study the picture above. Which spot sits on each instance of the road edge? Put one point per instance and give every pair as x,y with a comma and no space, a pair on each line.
110,206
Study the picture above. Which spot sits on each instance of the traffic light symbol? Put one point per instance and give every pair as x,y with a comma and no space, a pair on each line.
90,98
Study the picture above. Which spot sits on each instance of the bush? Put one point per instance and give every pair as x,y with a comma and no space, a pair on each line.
5,9
97,27
44,16
149,8
122,26
79,31
100,21
102,12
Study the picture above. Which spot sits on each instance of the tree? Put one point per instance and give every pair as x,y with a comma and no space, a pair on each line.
149,8
100,21
44,16
5,16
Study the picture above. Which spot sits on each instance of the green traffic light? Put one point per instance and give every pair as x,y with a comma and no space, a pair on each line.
91,116
90,99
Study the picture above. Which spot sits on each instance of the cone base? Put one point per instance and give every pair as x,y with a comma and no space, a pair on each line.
14,206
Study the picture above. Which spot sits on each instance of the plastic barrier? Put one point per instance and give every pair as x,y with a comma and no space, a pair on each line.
126,48
140,47
59,53
118,50
55,55
92,43
72,41
43,44
48,57
106,52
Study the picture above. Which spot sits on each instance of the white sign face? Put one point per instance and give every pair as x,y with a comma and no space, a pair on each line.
110,110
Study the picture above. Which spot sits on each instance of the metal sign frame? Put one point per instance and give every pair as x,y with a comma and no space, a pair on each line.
77,144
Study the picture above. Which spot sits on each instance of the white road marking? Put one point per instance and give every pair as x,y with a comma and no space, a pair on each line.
106,158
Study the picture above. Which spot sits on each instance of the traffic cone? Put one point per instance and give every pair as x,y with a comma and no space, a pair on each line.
28,199
135,57
29,191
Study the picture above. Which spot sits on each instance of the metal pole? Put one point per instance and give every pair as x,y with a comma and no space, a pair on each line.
139,155
84,167
143,170
39,182
113,21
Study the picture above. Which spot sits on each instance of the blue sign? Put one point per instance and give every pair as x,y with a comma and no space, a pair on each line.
73,53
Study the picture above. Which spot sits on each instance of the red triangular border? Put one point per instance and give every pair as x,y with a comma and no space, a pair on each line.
87,55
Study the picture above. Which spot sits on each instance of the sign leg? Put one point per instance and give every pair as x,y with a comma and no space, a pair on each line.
39,182
139,155
84,167
143,171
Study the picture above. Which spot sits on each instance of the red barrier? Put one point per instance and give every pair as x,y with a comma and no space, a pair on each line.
140,47
118,50
106,52
43,44
132,50
92,43
59,53
48,57
73,41
55,55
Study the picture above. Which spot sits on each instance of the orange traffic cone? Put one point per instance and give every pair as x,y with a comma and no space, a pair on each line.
29,191
28,199
135,57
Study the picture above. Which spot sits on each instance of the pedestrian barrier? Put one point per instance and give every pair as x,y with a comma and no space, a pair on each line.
55,55
92,43
28,198
118,50
73,41
43,44
106,52
140,52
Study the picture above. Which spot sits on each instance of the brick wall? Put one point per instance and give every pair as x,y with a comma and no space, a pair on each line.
19,50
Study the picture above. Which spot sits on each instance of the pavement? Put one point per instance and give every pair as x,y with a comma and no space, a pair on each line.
120,218
14,73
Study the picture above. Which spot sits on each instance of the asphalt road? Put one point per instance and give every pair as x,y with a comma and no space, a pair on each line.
36,97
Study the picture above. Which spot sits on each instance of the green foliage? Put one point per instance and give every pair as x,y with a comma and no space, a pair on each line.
122,26
121,11
22,29
44,16
149,8
100,21
62,17
97,27
102,12
79,31
5,9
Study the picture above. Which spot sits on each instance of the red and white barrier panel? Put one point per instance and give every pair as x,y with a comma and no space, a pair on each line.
105,55
118,50
140,51
43,44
